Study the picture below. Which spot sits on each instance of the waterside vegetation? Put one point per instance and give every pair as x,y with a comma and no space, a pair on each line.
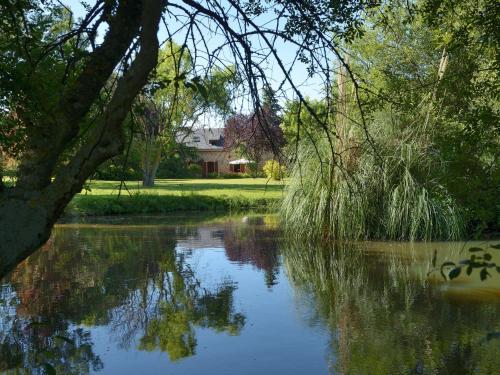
406,144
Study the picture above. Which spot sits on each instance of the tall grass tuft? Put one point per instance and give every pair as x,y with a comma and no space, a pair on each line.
365,195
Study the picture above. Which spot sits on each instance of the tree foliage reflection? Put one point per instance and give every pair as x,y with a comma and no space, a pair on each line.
130,279
385,317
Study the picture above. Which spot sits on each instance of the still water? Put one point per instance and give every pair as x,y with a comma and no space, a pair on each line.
232,296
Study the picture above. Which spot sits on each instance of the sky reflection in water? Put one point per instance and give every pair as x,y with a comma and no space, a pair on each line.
228,296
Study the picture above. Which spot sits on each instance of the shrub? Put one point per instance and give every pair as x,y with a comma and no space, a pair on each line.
179,163
234,175
253,169
213,175
273,169
112,170
194,170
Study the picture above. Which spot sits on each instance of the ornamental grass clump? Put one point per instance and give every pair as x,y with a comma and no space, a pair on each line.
388,194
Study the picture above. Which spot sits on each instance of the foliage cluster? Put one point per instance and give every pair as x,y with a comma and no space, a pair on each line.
479,259
274,170
411,151
256,135
177,161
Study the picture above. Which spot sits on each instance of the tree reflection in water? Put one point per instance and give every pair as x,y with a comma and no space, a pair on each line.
254,244
129,278
386,319
381,312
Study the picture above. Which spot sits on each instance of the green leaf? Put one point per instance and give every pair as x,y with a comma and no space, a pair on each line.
47,354
497,246
38,324
493,335
475,249
469,270
484,274
446,264
455,272
487,256
498,269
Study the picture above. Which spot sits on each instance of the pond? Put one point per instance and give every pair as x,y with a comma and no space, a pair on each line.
232,296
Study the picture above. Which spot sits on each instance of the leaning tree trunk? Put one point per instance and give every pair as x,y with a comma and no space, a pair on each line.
29,210
24,225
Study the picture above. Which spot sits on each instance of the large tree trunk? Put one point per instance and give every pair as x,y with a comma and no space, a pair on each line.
24,226
151,158
29,210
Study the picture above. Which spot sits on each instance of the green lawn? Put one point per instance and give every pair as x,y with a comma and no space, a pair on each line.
244,187
172,195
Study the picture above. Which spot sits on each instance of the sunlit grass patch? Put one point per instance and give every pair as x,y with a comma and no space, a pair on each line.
243,187
169,196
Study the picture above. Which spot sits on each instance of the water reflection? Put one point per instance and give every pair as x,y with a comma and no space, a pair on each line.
132,280
373,307
255,242
386,316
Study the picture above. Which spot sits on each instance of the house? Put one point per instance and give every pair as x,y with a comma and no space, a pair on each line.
209,142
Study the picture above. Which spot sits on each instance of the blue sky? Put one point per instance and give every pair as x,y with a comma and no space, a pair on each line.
311,87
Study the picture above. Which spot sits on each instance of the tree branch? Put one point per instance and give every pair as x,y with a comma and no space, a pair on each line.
106,139
50,139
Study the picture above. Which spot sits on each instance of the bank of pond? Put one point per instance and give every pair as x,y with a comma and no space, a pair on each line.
199,294
126,204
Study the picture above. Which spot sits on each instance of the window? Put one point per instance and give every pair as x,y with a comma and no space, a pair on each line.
237,168
196,138
217,142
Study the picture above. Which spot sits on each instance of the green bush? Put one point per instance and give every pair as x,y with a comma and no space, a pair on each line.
273,169
194,170
253,170
180,163
217,175
112,170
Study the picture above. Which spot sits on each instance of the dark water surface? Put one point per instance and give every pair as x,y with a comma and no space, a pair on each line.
228,296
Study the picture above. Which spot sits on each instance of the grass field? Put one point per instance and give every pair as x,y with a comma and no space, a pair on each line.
242,187
176,195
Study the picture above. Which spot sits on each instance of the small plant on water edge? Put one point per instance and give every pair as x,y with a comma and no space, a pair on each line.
479,259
